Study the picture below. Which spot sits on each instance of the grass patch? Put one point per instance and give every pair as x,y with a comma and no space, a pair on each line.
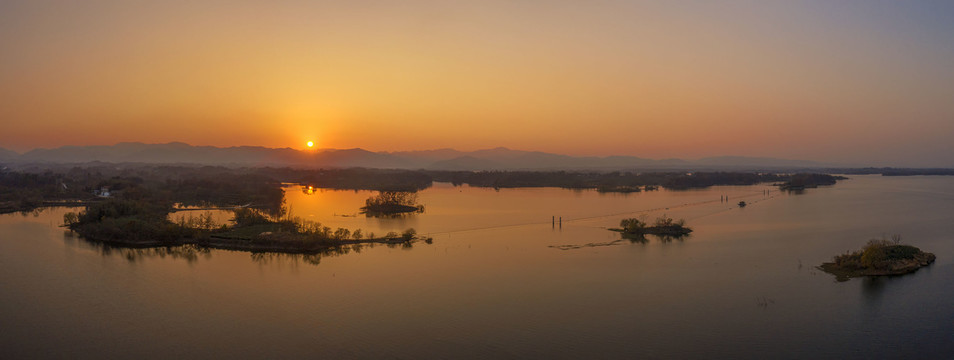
249,232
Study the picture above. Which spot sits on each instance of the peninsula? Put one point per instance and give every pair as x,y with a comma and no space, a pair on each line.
144,224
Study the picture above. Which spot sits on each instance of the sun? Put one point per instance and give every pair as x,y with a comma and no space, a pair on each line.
310,144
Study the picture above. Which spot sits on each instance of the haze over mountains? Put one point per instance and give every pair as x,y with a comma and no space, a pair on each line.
440,159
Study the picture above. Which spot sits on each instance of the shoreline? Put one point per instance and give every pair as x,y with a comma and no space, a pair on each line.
253,246
896,268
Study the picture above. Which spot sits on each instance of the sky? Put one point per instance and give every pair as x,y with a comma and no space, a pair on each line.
855,82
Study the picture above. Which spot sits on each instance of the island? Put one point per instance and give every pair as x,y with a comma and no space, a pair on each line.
145,224
880,257
800,182
618,189
391,203
663,226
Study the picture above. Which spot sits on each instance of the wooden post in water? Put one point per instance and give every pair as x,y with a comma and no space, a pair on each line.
553,221
561,222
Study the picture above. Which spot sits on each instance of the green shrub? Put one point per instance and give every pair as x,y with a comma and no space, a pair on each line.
879,252
873,257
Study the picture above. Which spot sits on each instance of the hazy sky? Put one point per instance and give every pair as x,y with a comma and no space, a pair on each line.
848,81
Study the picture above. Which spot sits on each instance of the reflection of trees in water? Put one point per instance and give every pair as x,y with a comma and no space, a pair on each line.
397,222
381,215
268,258
633,239
35,212
671,238
872,288
274,258
642,239
189,253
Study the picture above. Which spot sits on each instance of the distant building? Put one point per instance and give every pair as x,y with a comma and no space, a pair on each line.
103,192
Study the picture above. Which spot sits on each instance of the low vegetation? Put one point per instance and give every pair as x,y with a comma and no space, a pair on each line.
133,222
32,186
663,226
25,191
888,171
618,189
804,181
604,181
877,258
29,188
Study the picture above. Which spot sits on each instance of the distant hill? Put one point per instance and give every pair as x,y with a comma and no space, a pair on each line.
465,163
441,159
181,153
755,161
430,155
6,155
175,152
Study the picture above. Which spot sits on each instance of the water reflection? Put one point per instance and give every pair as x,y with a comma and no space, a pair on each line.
737,263
383,215
282,259
640,238
632,238
35,212
269,258
190,253
873,287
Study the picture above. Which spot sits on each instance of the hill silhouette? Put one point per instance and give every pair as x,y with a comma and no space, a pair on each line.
499,158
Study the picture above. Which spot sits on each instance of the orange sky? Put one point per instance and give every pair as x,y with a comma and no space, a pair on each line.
833,81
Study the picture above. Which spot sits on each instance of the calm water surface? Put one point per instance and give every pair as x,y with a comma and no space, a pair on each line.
494,283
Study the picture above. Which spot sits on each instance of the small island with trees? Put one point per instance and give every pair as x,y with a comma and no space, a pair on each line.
663,226
391,203
880,257
800,182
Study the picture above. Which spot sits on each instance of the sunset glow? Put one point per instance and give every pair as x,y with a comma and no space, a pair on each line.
432,179
855,82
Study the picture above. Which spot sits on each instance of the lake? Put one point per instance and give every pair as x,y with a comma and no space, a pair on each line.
501,280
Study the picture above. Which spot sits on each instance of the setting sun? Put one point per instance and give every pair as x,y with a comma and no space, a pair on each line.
151,164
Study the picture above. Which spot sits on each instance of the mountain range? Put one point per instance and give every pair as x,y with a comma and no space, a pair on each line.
440,159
